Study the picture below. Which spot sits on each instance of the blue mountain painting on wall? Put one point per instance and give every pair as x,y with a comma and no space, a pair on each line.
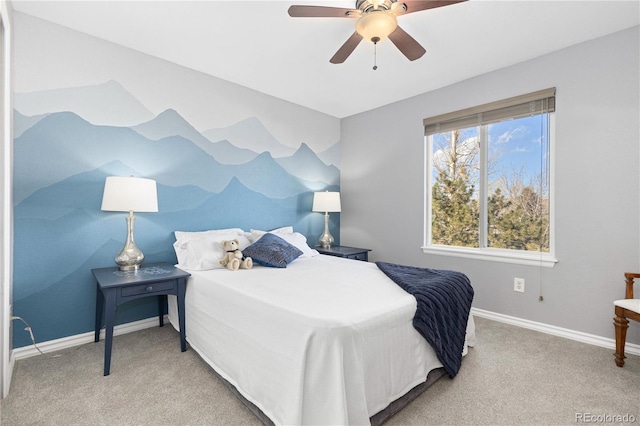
61,161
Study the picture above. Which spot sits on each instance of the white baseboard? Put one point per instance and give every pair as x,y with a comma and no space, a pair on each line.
579,336
81,339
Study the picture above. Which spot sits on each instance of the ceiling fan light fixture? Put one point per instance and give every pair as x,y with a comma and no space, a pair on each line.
376,26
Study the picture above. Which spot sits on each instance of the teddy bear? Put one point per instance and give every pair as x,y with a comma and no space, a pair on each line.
233,258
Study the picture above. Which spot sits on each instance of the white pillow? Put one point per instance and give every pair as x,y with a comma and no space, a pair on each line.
183,235
300,241
287,234
255,234
204,252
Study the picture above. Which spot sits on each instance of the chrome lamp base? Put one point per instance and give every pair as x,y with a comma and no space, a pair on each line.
130,257
326,239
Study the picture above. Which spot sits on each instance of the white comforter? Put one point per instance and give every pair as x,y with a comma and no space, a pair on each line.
324,341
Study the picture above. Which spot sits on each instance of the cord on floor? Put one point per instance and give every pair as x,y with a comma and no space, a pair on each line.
28,328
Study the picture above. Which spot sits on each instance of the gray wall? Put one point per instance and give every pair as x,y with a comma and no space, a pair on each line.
596,184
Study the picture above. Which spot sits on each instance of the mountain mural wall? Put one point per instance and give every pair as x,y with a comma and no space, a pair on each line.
68,140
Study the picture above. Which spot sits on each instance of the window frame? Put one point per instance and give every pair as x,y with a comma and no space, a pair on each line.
523,257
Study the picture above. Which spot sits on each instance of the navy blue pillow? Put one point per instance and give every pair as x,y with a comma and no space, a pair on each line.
272,251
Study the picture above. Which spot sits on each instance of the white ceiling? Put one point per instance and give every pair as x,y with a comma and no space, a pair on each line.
256,43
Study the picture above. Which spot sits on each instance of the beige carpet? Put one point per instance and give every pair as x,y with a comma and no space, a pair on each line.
513,376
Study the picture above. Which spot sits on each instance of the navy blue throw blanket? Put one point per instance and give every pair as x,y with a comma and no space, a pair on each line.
444,300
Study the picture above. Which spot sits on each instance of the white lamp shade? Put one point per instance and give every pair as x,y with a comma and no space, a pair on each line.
123,194
326,201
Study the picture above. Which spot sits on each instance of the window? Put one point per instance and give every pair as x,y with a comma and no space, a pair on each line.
488,181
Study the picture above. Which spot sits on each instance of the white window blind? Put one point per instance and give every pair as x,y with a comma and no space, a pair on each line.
519,106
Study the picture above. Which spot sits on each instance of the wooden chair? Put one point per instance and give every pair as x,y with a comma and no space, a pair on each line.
625,309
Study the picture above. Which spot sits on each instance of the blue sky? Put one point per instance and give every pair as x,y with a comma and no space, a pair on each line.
515,147
519,145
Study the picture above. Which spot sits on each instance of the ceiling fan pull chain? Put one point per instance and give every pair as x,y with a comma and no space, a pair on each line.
375,53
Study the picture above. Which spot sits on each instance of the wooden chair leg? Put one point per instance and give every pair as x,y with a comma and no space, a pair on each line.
621,324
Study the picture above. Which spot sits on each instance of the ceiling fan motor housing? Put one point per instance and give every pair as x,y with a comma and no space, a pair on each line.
368,5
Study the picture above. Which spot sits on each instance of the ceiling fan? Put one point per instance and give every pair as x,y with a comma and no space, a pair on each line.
376,21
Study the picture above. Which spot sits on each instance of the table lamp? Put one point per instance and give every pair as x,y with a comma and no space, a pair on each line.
129,194
326,202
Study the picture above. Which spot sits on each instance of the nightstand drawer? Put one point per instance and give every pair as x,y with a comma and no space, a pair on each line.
151,288
359,256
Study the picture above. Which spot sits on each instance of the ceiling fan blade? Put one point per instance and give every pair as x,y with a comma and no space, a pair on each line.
349,46
406,44
418,5
322,12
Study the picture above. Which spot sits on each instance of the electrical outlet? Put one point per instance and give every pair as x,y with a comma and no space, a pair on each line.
518,285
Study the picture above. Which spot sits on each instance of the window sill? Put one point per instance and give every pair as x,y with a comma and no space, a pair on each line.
495,255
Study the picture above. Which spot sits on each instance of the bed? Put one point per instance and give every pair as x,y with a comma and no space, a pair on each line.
324,340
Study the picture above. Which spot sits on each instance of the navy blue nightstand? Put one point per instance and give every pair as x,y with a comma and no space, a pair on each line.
116,287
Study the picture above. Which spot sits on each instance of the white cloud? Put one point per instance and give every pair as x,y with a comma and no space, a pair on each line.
511,134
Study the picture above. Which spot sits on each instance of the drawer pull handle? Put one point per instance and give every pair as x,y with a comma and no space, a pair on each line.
149,289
